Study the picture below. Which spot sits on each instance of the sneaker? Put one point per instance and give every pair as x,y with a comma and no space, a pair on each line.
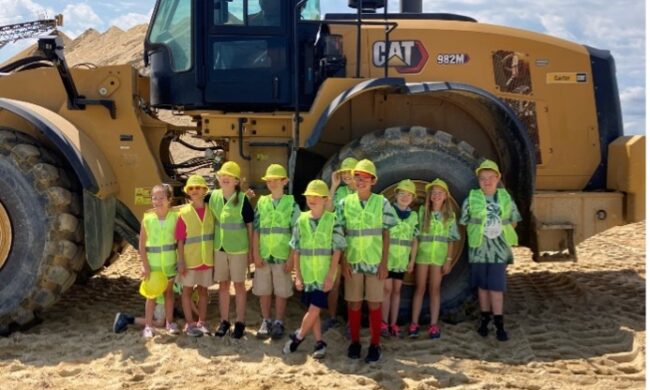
121,322
434,332
265,330
502,335
192,331
385,332
483,329
414,330
395,331
202,327
374,353
330,323
147,333
277,330
319,350
293,343
239,330
172,328
224,329
354,351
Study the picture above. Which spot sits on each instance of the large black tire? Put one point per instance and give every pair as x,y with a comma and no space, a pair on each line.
43,222
422,155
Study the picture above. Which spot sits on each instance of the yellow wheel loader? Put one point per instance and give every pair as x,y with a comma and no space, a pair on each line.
422,95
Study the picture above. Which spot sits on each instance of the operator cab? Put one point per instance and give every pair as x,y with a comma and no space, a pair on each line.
231,55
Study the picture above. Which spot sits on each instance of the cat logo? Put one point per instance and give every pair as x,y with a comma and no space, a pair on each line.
404,56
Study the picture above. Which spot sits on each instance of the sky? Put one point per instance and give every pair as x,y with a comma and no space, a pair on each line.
618,26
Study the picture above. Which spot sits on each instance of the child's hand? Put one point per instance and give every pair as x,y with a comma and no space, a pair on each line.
288,266
409,268
328,284
346,270
299,285
259,263
382,272
446,268
250,194
336,180
146,270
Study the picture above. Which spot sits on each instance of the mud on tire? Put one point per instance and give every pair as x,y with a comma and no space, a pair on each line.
44,208
422,154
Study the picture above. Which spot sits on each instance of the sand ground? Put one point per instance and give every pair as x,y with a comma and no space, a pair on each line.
571,325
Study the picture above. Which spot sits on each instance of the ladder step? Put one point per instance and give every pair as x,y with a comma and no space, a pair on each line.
556,226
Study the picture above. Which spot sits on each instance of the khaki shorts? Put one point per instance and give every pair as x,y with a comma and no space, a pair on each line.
230,267
358,283
198,278
271,279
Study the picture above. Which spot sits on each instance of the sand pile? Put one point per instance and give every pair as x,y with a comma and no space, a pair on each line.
572,325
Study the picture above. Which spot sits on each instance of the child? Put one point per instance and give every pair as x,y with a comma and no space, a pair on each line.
274,216
157,249
338,191
194,232
491,217
401,255
366,218
233,236
437,231
318,241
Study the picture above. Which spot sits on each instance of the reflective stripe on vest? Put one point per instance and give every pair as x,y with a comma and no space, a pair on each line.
401,239
198,248
364,229
161,243
315,247
275,226
230,232
478,217
433,244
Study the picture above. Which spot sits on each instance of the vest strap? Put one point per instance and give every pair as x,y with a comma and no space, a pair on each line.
231,226
397,241
433,238
195,239
160,249
275,230
364,232
316,252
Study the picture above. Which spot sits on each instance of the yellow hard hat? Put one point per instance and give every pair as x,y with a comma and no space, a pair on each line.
406,185
438,183
230,168
366,166
195,181
488,164
348,164
317,188
275,171
153,286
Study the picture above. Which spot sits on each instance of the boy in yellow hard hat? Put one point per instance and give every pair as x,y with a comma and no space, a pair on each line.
275,214
342,185
491,217
317,241
366,218
233,239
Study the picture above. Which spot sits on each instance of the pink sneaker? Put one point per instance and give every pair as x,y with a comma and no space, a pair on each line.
385,332
434,332
414,330
395,331
147,333
172,328
202,327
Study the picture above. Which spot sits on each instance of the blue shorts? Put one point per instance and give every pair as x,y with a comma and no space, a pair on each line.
317,298
488,276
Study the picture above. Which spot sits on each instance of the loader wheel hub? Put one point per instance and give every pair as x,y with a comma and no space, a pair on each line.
5,235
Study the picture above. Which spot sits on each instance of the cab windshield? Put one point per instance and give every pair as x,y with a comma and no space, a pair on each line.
266,13
172,27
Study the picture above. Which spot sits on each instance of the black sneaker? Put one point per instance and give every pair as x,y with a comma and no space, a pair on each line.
239,330
354,351
293,343
502,335
121,322
319,349
483,329
374,353
224,329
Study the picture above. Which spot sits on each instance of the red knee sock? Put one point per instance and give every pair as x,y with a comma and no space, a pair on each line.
354,320
375,326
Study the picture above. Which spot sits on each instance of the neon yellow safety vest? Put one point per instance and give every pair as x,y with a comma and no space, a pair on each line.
198,244
342,192
401,238
315,248
478,217
161,243
434,244
364,229
230,232
275,226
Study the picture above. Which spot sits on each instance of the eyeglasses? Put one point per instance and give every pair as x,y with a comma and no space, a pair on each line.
363,178
158,198
192,188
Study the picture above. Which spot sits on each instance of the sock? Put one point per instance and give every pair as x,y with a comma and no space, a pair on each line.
354,320
375,326
498,322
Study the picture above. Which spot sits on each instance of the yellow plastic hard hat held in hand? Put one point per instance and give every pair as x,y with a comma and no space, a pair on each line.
317,188
406,185
153,286
366,166
195,181
348,164
275,171
488,164
230,168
